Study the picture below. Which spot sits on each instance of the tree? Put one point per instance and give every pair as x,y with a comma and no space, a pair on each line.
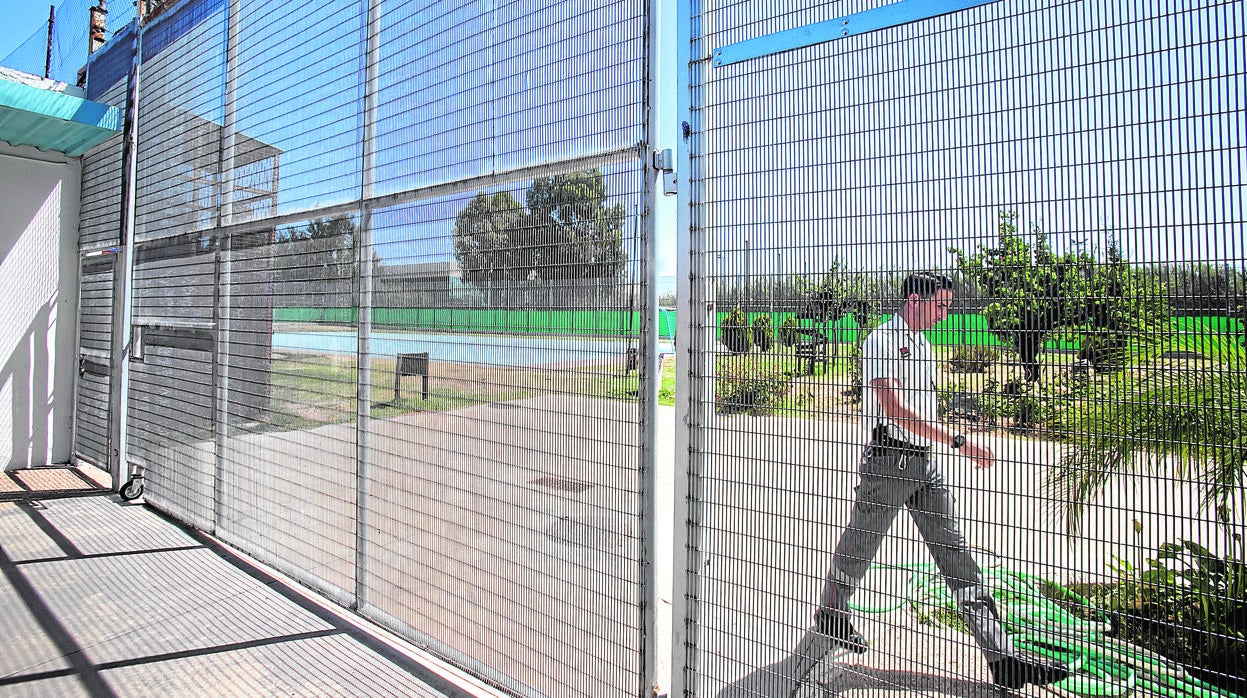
1033,293
484,249
1027,289
565,234
1202,288
317,260
838,294
737,333
327,246
1124,307
763,333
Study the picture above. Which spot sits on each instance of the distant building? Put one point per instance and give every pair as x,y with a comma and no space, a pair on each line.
422,285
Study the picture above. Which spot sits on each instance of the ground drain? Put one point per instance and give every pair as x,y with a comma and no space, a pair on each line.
562,484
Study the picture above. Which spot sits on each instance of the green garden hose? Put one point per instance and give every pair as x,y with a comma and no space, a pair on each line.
1100,665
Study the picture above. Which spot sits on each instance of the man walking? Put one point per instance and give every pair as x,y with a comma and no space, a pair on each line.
897,470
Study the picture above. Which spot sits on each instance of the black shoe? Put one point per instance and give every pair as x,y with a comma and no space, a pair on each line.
1016,672
836,625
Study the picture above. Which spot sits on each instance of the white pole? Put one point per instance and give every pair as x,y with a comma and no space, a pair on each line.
123,283
649,370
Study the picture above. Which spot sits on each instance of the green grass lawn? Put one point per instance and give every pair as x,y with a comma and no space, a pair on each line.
312,389
309,390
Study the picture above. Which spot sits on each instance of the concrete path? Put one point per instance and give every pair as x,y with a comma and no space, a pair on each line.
103,598
775,495
506,533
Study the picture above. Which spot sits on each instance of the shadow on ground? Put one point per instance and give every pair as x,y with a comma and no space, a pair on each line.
775,681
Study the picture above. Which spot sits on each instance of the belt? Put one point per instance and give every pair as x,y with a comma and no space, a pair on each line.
880,437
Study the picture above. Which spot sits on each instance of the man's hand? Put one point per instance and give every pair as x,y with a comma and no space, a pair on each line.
981,455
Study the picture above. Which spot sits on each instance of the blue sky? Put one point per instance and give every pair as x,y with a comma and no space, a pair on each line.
1076,114
21,19
24,18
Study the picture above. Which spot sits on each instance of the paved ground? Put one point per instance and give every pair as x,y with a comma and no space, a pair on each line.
473,544
103,598
776,493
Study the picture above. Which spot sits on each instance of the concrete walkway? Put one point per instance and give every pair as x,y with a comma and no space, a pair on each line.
776,493
111,599
104,598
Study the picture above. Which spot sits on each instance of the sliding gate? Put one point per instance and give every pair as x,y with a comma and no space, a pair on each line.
392,317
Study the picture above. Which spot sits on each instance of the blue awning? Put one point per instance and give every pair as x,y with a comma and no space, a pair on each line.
48,115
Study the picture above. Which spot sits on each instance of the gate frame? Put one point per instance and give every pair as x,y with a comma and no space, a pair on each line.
695,365
642,154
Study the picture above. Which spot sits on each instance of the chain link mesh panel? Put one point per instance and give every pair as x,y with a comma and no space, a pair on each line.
1074,169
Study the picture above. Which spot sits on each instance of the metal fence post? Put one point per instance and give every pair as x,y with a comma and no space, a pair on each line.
649,372
363,256
694,364
123,279
224,303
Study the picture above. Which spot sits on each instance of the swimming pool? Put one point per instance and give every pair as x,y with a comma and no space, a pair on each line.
497,350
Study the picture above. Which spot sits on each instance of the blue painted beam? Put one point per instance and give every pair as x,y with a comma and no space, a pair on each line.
52,120
893,15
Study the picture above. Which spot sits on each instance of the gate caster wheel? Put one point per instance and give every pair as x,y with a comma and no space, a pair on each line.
132,490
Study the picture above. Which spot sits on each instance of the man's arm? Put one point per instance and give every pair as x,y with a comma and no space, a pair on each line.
888,392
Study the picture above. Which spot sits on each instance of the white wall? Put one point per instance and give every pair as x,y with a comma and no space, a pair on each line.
38,305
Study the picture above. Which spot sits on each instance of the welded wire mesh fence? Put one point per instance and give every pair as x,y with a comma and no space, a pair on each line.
387,320
388,332
1075,171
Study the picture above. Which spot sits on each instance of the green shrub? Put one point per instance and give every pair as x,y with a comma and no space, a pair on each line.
788,334
993,404
737,334
1017,404
969,358
748,386
1186,603
1155,418
763,332
1032,405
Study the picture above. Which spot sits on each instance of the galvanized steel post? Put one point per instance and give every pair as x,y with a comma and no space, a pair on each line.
224,265
123,280
649,372
694,359
363,256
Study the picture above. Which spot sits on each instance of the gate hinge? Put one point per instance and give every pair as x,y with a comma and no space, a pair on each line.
664,162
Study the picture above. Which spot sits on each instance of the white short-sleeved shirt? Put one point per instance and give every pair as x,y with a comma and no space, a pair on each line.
893,350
